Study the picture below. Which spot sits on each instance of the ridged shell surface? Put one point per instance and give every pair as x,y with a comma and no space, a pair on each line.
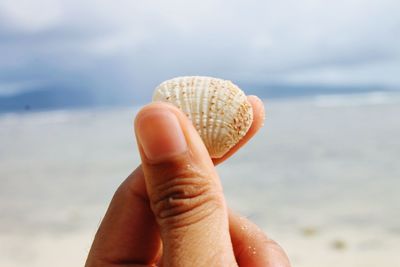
218,109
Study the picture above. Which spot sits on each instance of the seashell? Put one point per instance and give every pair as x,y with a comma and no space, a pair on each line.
218,109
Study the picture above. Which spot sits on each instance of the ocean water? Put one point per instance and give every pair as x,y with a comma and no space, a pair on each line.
322,178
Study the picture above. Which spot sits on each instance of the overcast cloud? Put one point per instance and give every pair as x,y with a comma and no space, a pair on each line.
131,46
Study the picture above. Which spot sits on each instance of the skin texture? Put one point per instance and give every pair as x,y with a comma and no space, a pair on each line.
171,210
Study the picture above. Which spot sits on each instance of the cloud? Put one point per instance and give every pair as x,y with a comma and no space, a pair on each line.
130,46
14,88
28,16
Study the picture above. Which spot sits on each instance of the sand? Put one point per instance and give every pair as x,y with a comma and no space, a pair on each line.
322,179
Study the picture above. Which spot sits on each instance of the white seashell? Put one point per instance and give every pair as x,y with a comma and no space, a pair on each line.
218,109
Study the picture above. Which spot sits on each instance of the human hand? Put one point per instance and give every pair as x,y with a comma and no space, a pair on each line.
171,210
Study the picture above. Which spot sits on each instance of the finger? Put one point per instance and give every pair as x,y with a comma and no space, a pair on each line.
184,190
258,122
137,234
128,232
252,247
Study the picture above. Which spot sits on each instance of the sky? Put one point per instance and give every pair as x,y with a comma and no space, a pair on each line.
127,47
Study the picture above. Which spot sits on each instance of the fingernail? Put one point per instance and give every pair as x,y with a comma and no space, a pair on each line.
160,134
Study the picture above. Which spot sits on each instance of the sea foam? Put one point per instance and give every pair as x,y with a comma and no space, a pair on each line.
357,99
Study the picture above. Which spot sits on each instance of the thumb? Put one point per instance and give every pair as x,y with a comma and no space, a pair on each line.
184,189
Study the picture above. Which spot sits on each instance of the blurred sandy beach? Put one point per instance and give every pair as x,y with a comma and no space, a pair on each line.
321,178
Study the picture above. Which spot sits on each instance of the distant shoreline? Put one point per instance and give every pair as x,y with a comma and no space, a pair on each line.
53,100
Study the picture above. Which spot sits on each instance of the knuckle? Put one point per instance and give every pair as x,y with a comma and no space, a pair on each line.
185,200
